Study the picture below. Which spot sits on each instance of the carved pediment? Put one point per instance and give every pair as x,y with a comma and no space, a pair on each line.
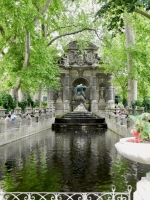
74,46
73,56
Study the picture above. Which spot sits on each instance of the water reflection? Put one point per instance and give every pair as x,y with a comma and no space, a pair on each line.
67,161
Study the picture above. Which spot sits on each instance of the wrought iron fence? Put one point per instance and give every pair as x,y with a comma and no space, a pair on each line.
113,195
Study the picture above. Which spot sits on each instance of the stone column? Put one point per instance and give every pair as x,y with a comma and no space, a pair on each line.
59,104
110,92
50,99
94,104
66,95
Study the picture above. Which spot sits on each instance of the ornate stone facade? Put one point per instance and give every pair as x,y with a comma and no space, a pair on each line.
83,68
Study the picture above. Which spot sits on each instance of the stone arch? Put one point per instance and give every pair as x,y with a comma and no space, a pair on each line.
82,81
85,100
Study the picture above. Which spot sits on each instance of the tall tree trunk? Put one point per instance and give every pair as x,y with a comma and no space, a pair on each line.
132,84
27,51
15,90
25,64
40,95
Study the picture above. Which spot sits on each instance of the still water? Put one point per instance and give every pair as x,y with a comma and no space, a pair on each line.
76,161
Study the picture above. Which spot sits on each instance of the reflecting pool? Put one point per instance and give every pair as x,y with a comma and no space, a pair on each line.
71,160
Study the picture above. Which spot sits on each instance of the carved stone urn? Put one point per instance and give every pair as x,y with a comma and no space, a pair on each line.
138,152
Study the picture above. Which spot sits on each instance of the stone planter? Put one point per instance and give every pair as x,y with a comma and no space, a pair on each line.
17,111
28,110
139,111
2,112
129,111
137,152
36,110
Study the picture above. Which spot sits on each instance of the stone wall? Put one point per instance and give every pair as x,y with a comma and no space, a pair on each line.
23,127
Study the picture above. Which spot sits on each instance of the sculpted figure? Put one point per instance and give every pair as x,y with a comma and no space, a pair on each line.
102,92
80,90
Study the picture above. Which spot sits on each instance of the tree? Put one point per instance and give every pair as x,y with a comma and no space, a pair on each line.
118,20
30,40
116,9
115,60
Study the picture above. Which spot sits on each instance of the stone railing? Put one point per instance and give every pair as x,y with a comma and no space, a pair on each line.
24,126
118,123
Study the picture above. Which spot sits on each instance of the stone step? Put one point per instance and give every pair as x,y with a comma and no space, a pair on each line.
79,120
74,120
78,125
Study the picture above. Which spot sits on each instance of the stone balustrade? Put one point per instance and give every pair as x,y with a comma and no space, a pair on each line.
118,123
24,126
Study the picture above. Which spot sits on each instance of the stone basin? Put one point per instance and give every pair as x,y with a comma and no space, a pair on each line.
138,152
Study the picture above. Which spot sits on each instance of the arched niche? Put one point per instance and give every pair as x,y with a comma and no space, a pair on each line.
82,81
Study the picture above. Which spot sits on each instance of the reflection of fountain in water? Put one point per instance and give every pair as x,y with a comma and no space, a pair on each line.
76,160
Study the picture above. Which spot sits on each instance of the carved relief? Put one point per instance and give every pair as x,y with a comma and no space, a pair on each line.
88,57
75,57
80,72
59,94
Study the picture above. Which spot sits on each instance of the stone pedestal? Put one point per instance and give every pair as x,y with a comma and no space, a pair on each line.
66,106
138,152
94,106
110,104
143,188
60,106
76,103
51,107
102,104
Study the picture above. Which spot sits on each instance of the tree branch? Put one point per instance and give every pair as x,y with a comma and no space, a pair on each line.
72,33
142,13
43,10
61,27
46,6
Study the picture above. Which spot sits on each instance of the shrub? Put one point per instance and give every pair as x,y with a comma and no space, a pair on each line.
7,101
35,104
44,104
22,104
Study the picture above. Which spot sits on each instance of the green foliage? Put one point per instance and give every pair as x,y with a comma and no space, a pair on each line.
7,101
22,104
142,125
120,169
146,104
120,105
44,104
46,28
113,11
114,58
134,104
23,179
141,103
29,100
117,98
35,104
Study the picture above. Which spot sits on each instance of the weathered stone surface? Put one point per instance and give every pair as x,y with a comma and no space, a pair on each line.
82,68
